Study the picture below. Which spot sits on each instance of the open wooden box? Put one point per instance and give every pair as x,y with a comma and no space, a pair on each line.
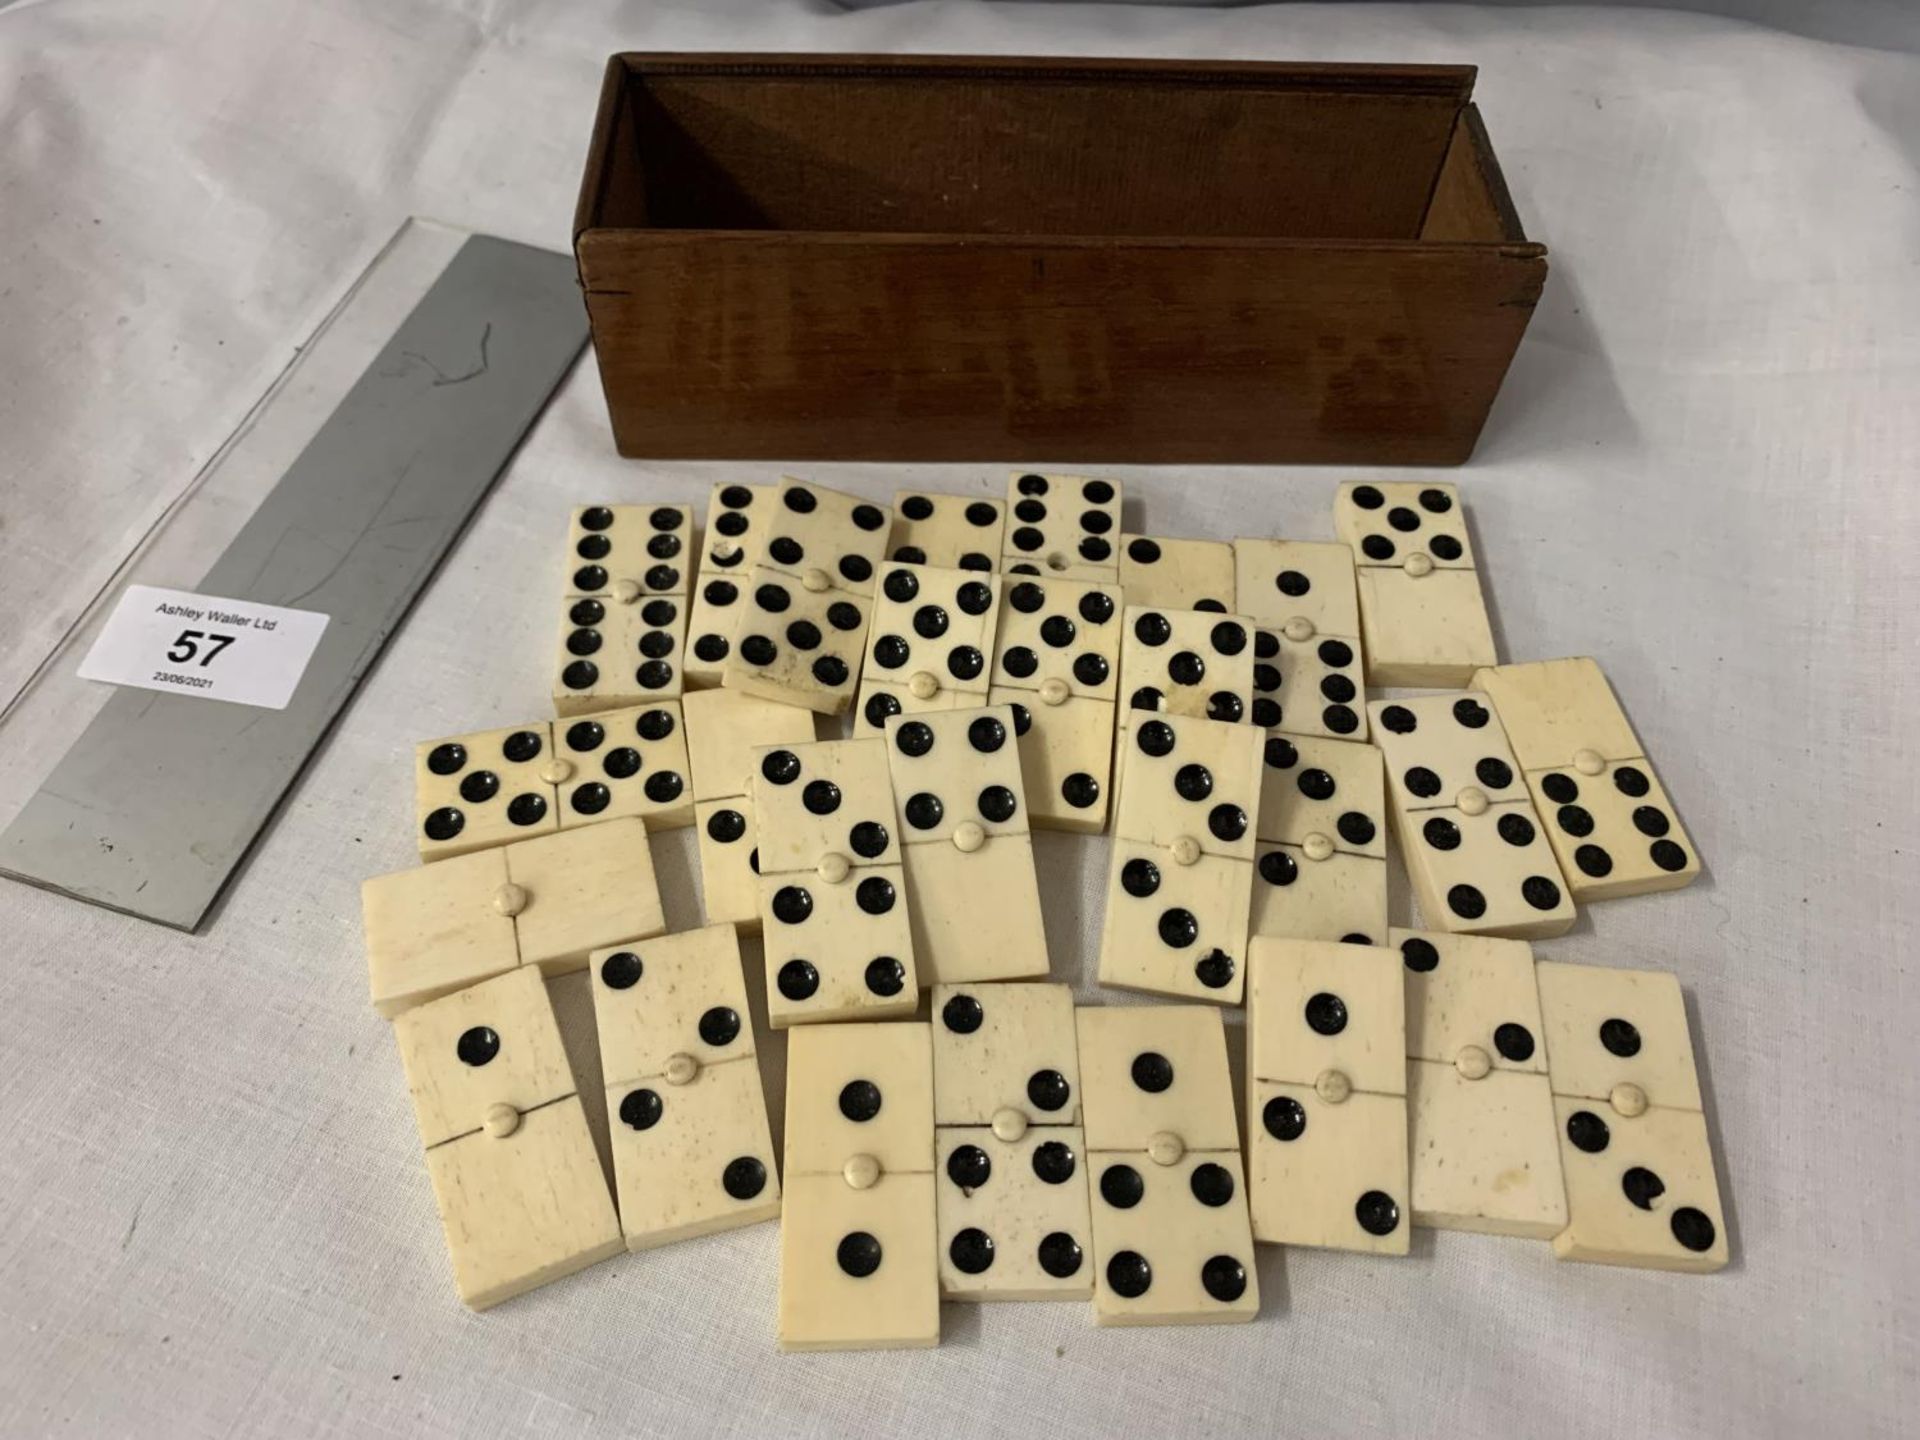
888,258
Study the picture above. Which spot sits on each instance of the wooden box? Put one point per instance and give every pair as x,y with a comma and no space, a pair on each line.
863,257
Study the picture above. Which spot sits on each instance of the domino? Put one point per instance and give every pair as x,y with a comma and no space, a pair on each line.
729,845
621,552
1421,609
928,642
1309,669
807,599
484,789
1056,654
1327,1096
836,928
824,797
1168,1200
1640,1181
951,531
1486,1156
1467,832
1177,574
546,902
474,791
1309,686
1005,1056
815,534
857,1233
620,763
963,826
1278,582
521,1195
1320,861
724,727
1062,526
615,654
1185,662
1153,1070
800,603
1179,887
1010,1178
797,646
1187,778
737,520
1012,1214
692,1153
1612,827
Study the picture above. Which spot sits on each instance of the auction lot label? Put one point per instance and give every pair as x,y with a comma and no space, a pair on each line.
212,649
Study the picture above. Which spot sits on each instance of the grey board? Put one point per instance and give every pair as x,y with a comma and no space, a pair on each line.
157,803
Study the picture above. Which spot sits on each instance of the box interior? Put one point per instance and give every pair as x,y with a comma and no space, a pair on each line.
879,146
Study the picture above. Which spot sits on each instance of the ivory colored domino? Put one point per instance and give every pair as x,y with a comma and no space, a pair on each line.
1148,1070
962,812
621,552
928,644
1485,1155
544,902
960,532
1180,882
692,1153
1056,660
483,789
437,928
1307,683
1064,526
1468,834
1066,755
1309,671
1167,1197
956,937
523,781
518,1183
1641,1188
795,645
617,653
807,599
1320,867
1280,582
737,520
1011,1161
1006,1055
1326,1096
1612,826
1422,614
1012,1214
1185,662
1317,894
579,890
628,762
857,1233
836,927
1177,574
1171,1244
724,728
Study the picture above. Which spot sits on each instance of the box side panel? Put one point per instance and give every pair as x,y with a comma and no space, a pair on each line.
851,144
746,347
1470,200
612,189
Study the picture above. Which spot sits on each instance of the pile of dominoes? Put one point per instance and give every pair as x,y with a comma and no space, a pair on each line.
1005,669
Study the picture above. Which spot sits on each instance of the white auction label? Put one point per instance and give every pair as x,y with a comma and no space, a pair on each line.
186,644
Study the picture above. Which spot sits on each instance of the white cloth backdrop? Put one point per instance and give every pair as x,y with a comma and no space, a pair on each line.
213,1213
